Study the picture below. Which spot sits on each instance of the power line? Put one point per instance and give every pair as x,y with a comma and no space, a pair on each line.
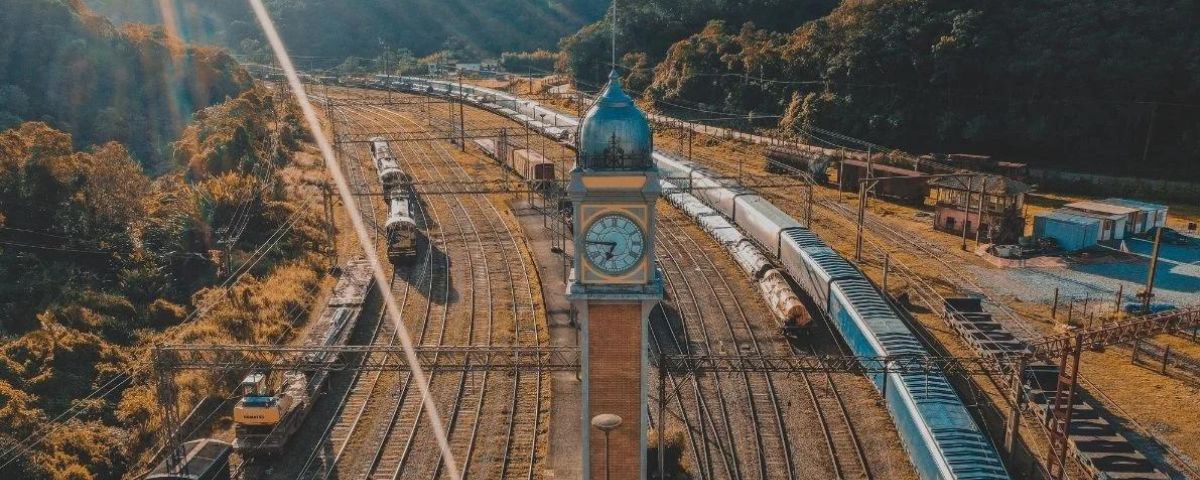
79,407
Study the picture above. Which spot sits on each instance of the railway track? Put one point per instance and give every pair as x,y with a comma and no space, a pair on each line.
520,436
347,427
705,315
738,328
476,235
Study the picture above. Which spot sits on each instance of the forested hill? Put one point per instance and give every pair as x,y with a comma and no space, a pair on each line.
346,28
1072,85
649,27
62,64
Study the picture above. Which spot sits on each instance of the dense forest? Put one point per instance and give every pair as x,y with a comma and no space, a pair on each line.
649,27
1088,85
111,260
211,236
337,29
62,64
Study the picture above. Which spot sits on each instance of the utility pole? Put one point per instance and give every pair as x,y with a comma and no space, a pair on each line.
1149,132
967,210
887,266
327,200
808,206
689,134
841,171
979,211
387,70
1149,291
1014,416
662,416
1062,409
462,128
862,205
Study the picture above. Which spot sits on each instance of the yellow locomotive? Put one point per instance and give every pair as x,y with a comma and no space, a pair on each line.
259,406
272,408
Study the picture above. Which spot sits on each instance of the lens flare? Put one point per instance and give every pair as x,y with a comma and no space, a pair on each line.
360,230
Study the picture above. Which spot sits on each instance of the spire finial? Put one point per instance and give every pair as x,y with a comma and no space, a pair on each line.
614,34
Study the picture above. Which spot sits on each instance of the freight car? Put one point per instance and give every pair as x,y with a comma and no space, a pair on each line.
903,185
400,228
390,174
531,165
270,410
203,459
787,158
524,162
774,287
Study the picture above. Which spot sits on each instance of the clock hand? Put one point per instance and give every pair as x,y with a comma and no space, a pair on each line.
610,244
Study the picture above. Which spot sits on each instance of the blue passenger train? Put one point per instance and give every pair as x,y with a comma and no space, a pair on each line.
942,439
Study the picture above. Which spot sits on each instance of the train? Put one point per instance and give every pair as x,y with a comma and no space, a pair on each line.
813,160
941,437
400,228
938,431
776,291
817,162
273,405
524,162
201,459
546,121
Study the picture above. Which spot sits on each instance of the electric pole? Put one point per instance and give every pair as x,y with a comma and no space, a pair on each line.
1149,291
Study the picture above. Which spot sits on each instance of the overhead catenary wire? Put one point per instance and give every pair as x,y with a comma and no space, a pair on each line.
120,379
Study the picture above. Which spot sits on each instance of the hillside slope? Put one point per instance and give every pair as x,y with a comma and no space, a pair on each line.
64,65
647,28
1087,85
345,28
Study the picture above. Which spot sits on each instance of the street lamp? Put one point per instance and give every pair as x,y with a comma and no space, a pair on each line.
606,422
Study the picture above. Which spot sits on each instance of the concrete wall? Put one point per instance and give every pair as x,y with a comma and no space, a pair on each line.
1093,184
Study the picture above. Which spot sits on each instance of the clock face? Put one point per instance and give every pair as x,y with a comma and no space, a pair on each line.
614,243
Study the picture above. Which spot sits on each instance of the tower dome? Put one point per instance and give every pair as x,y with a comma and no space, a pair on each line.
614,134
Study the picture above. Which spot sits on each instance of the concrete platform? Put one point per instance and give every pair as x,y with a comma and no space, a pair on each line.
563,455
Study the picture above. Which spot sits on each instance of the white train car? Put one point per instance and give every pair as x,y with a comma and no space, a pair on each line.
390,174
400,227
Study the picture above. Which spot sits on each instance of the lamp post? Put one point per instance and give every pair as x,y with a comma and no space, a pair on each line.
606,422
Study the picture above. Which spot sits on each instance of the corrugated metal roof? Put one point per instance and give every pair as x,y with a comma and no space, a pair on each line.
1137,204
996,184
1068,216
1101,215
1101,207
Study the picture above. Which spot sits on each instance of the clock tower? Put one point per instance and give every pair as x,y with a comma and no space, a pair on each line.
615,282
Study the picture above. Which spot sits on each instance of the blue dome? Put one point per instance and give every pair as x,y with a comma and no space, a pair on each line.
614,134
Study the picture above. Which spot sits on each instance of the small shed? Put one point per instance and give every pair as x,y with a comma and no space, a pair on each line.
1146,215
1113,217
1073,231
